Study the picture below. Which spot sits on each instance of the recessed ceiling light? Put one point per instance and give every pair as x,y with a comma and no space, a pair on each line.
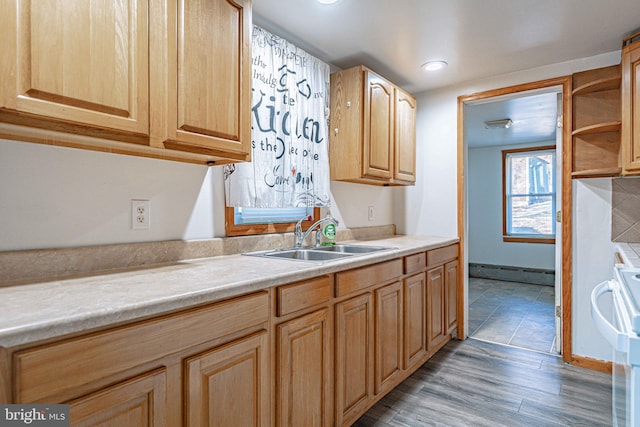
327,1
434,65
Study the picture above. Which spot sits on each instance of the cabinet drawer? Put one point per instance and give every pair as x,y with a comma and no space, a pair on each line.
51,370
442,255
362,278
415,263
298,296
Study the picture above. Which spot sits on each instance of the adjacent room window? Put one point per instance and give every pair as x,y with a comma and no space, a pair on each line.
529,195
246,221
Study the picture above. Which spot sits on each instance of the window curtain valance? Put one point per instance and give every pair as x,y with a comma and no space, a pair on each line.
290,112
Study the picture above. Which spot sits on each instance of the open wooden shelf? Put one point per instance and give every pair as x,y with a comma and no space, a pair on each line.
607,83
591,173
598,128
597,123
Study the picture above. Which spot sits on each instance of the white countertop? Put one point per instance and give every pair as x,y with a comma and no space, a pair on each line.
38,311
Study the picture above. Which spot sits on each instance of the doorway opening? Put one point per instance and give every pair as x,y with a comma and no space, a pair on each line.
512,193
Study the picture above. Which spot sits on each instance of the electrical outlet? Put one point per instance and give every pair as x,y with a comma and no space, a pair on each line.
370,213
140,214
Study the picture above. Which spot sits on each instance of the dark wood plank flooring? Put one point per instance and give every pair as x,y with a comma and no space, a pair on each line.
476,383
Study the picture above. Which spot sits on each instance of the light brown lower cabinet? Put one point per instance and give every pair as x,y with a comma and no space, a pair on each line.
435,307
303,365
451,295
388,336
369,349
354,357
313,353
140,401
442,285
415,320
229,385
205,366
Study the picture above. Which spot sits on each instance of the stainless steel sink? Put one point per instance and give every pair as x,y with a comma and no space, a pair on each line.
319,253
351,249
305,255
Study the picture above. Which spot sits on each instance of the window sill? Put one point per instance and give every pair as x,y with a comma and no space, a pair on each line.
544,240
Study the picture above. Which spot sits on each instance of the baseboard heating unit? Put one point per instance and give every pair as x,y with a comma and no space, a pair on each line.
507,273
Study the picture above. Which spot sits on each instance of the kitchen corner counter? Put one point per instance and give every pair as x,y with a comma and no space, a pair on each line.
630,253
49,309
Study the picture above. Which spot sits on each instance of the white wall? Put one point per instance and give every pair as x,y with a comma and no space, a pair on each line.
593,258
486,245
431,206
62,197
350,204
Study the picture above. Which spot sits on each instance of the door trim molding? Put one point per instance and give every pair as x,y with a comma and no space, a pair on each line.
566,83
593,364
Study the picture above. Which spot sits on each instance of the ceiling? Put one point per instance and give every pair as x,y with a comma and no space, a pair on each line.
534,117
477,38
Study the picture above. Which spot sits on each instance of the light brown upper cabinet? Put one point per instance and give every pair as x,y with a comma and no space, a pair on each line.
372,129
153,78
630,144
405,137
208,76
378,127
78,61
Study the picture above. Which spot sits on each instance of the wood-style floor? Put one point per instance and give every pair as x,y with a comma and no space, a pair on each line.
475,383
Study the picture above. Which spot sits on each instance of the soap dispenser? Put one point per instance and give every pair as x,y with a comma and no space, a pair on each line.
328,235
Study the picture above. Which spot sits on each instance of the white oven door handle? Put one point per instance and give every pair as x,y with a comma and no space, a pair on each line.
617,338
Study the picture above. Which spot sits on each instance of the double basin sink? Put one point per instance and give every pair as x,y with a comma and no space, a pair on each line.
320,253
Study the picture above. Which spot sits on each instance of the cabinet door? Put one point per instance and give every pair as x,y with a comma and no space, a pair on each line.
79,61
415,319
435,303
354,357
304,371
405,137
378,127
136,403
630,92
388,336
451,295
229,385
210,85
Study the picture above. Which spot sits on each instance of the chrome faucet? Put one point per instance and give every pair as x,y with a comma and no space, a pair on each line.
300,236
